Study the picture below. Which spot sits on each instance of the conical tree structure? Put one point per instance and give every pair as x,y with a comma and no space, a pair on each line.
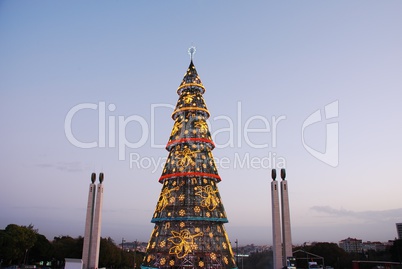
189,216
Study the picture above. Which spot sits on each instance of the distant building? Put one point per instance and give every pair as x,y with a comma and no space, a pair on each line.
248,249
399,230
376,246
351,245
133,246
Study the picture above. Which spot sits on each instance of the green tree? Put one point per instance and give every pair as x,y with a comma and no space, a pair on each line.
19,244
7,251
332,254
42,251
16,242
109,254
67,247
396,251
257,260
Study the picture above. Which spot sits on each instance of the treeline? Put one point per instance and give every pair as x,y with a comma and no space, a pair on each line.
337,258
23,245
332,255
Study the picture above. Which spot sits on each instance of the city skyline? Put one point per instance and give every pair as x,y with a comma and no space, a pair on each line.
307,86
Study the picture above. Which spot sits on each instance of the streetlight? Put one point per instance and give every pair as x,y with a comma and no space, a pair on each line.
25,256
135,252
237,253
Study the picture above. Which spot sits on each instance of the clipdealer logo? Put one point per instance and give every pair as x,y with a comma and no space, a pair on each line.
237,132
331,154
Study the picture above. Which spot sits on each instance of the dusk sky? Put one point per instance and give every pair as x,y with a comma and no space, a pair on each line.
312,86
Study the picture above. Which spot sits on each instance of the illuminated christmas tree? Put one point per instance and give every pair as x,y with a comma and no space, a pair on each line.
189,216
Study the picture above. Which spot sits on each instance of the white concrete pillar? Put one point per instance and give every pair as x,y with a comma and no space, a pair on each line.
276,224
286,228
86,250
96,232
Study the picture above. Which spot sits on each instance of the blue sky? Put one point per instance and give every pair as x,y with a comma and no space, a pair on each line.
267,67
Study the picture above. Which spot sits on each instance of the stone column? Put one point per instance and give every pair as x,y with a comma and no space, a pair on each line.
86,251
276,225
286,229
